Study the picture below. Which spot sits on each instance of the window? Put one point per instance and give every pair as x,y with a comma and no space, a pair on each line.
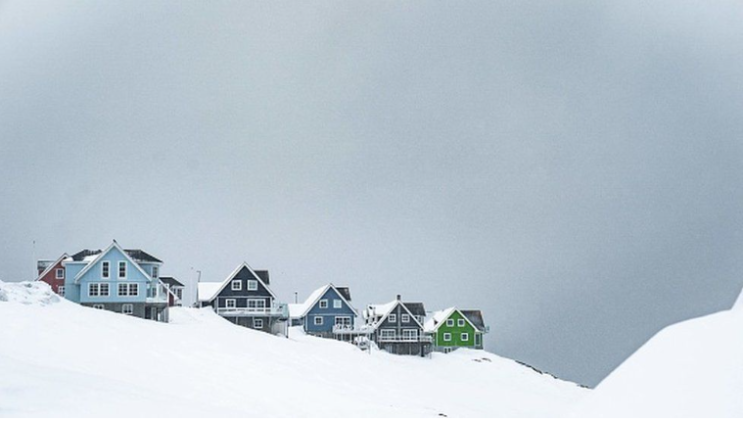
98,290
230,303
409,335
465,337
237,285
122,270
460,322
127,309
252,285
59,274
323,303
478,339
60,290
343,320
392,318
257,303
128,289
450,322
318,320
257,323
447,337
98,306
155,272
337,304
405,318
105,270
387,334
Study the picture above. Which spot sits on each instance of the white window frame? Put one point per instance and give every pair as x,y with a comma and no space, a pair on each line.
407,337
385,334
450,322
127,290
57,273
252,285
99,306
60,290
447,337
257,323
405,318
262,302
228,301
460,322
323,303
237,282
94,289
108,289
119,266
125,307
105,269
464,337
316,319
392,318
155,272
342,320
337,303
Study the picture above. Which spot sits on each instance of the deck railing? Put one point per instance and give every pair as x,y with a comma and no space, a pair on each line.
277,310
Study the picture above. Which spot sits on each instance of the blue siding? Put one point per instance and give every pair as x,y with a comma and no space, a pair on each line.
328,314
133,275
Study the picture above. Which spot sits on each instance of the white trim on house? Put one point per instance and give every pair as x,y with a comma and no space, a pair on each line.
107,265
57,273
229,278
464,337
446,317
324,303
227,302
337,303
128,286
99,289
60,290
252,285
92,263
127,309
315,320
392,310
99,306
447,336
460,322
257,323
392,318
450,322
405,318
50,267
307,306
118,270
237,282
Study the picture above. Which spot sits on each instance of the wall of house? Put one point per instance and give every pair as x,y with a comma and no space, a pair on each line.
133,275
51,278
241,295
328,314
456,333
72,290
398,325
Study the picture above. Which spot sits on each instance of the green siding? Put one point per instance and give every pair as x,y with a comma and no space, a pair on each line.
456,332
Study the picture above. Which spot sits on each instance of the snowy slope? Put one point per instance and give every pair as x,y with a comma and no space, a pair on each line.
60,359
690,369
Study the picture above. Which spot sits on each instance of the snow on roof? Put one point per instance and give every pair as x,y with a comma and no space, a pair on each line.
380,310
300,310
436,318
207,290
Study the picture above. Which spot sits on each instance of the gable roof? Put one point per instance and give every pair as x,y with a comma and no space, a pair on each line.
210,290
49,268
301,310
474,316
438,318
171,282
345,292
417,309
385,309
142,256
100,255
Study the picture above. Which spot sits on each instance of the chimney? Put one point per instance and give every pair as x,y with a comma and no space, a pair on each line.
399,297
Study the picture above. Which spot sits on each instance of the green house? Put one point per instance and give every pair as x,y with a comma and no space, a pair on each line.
453,328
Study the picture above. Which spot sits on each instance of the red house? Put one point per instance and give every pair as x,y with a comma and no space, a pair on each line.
53,273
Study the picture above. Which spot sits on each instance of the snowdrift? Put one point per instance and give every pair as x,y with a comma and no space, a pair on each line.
690,369
60,359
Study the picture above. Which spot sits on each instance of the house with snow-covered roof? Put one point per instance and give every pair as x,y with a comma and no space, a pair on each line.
453,328
126,281
397,327
175,290
327,312
245,299
52,272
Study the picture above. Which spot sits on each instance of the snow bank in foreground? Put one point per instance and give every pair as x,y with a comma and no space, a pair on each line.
60,359
691,369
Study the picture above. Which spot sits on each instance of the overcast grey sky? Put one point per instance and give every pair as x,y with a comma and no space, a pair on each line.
571,168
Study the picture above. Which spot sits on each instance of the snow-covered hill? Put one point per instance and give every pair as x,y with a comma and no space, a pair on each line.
690,369
60,359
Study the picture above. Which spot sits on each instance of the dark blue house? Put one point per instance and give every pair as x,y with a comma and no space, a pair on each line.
244,298
327,312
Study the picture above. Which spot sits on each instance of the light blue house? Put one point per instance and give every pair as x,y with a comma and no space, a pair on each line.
124,281
327,312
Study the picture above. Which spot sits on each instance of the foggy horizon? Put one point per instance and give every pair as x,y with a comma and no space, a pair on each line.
572,169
